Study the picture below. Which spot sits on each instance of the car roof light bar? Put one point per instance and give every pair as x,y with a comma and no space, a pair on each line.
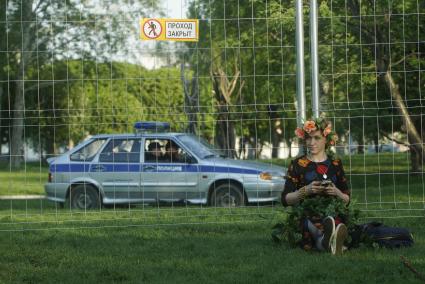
151,126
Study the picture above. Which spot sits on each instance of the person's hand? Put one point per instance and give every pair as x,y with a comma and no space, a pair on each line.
332,190
315,187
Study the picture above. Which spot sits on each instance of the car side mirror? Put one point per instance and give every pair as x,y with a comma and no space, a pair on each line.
192,160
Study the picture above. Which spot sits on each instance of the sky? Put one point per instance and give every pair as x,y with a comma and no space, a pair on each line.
140,51
174,9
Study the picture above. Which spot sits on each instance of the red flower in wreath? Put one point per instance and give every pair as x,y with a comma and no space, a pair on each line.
327,131
310,126
321,169
300,133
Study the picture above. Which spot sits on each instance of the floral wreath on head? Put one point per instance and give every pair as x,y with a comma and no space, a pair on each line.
321,124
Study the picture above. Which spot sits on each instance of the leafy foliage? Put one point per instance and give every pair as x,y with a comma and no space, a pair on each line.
40,33
316,207
95,98
358,42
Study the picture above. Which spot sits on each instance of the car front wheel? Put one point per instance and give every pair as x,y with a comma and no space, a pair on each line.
85,197
227,195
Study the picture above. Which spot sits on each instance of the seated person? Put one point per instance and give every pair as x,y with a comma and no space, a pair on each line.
154,153
318,177
172,154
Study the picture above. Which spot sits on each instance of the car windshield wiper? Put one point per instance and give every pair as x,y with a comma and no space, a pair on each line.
209,156
214,155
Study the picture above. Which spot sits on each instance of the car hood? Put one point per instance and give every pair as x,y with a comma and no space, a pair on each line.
254,165
51,160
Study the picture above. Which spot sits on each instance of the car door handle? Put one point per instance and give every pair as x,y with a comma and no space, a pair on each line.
98,168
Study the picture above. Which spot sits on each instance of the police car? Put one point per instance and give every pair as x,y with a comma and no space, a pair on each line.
154,165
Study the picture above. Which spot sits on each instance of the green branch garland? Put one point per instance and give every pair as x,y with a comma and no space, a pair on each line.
313,208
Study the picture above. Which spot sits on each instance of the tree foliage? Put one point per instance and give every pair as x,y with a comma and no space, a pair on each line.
256,38
59,78
359,42
36,33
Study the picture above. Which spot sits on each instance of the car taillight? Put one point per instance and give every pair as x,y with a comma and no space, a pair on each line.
50,177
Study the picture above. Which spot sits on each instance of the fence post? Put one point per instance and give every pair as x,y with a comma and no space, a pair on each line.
301,114
314,58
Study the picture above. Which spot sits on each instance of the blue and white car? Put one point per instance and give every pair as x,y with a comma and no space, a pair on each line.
118,169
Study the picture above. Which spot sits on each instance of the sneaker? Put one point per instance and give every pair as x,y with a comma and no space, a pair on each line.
337,244
328,232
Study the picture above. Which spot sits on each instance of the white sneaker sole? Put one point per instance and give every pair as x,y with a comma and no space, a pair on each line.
337,242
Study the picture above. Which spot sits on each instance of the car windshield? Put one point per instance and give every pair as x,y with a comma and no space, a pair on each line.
88,152
200,146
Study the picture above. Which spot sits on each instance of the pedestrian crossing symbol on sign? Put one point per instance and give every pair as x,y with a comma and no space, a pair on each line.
152,29
169,29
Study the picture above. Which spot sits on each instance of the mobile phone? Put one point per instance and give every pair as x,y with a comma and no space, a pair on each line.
326,182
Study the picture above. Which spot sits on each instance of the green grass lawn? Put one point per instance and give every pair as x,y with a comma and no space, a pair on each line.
181,245
29,179
379,182
42,243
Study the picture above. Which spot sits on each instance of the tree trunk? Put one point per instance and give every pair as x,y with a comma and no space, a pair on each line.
376,142
191,101
360,147
275,143
382,54
225,134
1,111
258,148
276,129
413,136
42,156
288,142
17,139
415,160
50,148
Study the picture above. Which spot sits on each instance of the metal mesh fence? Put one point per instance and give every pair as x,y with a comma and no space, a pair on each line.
75,77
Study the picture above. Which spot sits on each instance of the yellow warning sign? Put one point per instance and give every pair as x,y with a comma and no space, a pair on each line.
169,29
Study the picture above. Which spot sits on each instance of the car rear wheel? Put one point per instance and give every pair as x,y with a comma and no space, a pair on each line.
227,195
84,197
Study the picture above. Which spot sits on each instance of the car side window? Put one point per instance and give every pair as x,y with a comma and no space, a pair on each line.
165,151
174,153
88,152
121,151
154,150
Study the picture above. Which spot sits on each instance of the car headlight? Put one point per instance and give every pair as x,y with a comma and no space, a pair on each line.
271,176
266,176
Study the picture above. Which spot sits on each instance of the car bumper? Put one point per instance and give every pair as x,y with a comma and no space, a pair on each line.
264,191
56,191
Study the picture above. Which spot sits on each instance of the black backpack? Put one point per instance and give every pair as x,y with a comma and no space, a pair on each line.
384,236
